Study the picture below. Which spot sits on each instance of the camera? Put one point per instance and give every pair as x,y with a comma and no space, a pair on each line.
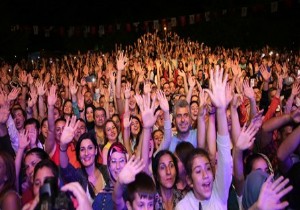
53,199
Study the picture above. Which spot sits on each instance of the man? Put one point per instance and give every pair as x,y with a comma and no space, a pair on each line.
100,119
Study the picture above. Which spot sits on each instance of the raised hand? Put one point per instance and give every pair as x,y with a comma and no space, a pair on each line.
23,139
80,195
147,87
147,111
52,97
40,88
69,131
4,113
130,170
73,88
191,81
13,94
202,102
33,98
3,97
271,193
236,101
257,120
121,62
127,90
264,73
246,137
229,93
218,92
126,120
248,91
163,101
295,89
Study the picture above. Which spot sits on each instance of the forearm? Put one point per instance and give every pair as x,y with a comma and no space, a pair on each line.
165,144
189,95
145,148
276,122
118,85
41,107
50,142
201,131
253,109
222,122
126,138
117,196
235,124
238,170
211,137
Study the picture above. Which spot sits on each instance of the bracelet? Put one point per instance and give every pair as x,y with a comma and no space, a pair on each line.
63,150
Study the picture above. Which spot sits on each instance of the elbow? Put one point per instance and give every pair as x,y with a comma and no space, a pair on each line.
281,155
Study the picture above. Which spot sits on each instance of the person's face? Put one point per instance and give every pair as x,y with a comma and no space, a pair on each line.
32,133
167,89
117,163
89,114
44,129
181,169
56,114
87,153
179,81
181,91
260,164
3,176
158,137
257,93
160,119
172,87
135,126
111,109
19,119
101,101
40,177
202,178
194,111
59,127
88,98
117,122
30,162
99,118
166,171
132,101
81,129
182,119
111,132
162,81
140,203
68,108
58,103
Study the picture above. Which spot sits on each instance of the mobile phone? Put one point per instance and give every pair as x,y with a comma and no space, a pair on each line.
252,80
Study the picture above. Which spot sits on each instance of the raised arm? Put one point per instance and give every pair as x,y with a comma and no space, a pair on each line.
249,93
164,105
41,92
126,176
66,137
201,120
50,142
245,140
121,62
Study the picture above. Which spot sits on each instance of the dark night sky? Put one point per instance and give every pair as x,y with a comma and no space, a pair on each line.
103,11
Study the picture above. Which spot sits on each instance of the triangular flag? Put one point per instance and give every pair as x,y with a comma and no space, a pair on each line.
274,6
192,19
207,16
35,30
173,22
156,25
244,12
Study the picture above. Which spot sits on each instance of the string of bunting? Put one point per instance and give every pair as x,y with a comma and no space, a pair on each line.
150,25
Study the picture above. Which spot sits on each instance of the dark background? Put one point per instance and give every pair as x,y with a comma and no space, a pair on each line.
260,27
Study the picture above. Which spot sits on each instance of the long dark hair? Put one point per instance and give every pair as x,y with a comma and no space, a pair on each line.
139,133
155,165
10,173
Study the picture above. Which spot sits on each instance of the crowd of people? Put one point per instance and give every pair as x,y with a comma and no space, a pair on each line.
165,123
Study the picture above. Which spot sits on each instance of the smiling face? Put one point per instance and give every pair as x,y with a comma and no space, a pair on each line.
166,171
89,114
30,161
135,126
19,119
111,132
182,119
68,108
116,164
44,129
201,178
87,152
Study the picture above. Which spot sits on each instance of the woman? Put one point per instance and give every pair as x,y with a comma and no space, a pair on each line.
7,175
67,108
165,173
111,136
44,131
31,158
181,152
92,176
135,132
116,160
89,117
